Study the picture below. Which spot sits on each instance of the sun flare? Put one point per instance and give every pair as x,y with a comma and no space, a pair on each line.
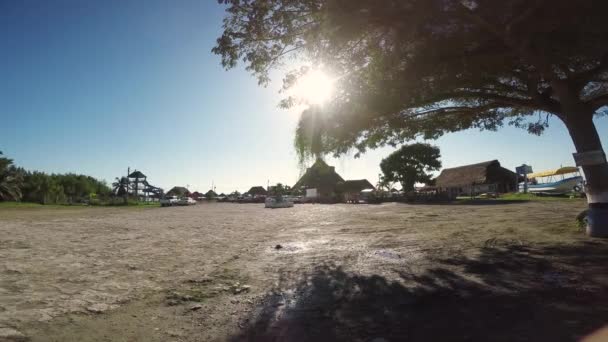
316,87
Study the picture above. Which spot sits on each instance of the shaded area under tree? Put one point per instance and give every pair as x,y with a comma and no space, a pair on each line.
507,293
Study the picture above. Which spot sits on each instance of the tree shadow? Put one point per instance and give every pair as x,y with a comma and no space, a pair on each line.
511,293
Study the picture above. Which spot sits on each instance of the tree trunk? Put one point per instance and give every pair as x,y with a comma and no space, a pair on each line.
585,138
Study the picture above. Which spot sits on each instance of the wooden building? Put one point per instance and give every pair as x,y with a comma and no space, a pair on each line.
322,183
475,179
350,190
321,178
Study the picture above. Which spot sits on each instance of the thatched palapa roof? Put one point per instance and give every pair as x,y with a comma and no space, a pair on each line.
137,174
179,191
257,190
319,175
481,173
356,185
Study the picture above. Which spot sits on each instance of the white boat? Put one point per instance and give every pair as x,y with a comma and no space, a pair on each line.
563,180
278,202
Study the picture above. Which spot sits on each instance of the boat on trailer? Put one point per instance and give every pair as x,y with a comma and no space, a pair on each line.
560,181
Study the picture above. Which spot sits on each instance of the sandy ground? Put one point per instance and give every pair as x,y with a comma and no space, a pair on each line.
217,272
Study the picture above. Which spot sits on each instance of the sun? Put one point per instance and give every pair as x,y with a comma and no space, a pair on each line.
316,87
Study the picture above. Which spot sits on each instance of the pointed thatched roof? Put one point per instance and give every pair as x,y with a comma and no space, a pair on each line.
319,175
210,194
137,174
481,173
179,191
356,185
257,190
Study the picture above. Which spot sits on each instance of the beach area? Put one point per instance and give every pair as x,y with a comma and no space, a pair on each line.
221,271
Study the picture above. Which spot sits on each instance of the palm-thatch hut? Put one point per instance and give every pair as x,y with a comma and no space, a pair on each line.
178,191
210,194
474,179
321,178
196,195
350,190
257,191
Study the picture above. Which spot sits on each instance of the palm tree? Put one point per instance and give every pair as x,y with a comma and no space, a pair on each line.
119,187
10,180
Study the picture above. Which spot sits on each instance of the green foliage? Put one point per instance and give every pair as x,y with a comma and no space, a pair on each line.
279,190
11,179
411,164
43,188
38,187
520,196
119,187
422,68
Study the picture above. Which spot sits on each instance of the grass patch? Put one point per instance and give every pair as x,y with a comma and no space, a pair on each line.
518,196
133,204
27,205
34,206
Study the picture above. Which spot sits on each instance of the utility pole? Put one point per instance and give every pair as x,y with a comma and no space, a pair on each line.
127,188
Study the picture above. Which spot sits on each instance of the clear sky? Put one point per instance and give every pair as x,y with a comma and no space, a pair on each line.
94,87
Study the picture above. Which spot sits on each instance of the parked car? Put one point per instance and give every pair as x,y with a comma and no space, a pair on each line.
186,201
168,201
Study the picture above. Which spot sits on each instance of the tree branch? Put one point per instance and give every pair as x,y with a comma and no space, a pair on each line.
454,110
584,77
517,45
497,98
524,15
598,102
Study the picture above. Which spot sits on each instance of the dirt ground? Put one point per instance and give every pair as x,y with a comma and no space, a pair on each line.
239,272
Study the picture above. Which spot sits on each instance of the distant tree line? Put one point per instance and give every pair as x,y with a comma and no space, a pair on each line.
18,184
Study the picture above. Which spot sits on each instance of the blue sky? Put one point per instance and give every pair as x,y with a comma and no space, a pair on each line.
96,86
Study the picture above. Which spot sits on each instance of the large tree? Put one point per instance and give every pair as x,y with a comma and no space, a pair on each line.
10,180
411,164
422,68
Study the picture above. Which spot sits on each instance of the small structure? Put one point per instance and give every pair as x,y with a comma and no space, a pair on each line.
351,190
138,177
210,194
475,179
257,191
323,179
197,196
178,191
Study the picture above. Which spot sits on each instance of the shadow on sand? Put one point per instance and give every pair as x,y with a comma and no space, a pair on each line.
509,293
